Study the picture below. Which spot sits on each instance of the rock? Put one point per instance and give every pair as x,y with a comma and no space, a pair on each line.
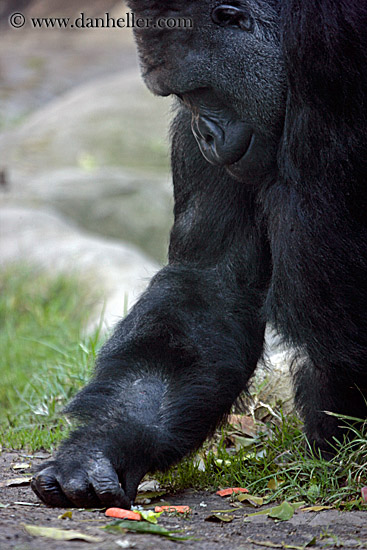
122,204
37,65
69,155
45,239
112,121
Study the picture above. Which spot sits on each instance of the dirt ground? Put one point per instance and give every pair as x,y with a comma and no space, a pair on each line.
331,528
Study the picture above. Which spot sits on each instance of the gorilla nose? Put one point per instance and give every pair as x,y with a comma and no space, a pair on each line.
221,142
208,131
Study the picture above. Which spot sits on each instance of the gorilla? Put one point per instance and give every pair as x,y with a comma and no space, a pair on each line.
269,163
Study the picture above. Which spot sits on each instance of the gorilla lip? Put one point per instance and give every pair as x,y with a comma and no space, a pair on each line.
211,154
223,138
246,153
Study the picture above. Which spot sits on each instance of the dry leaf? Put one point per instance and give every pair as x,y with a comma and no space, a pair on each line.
266,543
27,503
41,455
270,544
16,482
273,484
66,515
283,512
149,486
148,496
251,499
58,534
241,442
21,466
226,511
179,509
316,508
218,518
243,423
125,543
144,527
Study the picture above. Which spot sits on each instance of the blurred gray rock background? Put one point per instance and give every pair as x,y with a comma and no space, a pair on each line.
79,132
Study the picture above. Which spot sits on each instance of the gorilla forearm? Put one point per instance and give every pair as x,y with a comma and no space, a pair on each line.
181,355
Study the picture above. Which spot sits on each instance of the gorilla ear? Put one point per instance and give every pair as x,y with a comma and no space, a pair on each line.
325,53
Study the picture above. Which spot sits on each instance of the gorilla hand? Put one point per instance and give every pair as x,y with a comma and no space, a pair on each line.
92,483
88,473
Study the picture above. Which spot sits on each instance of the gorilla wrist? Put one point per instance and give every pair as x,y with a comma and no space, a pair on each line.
150,420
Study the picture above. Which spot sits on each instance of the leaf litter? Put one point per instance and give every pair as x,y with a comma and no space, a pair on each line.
16,482
59,534
283,512
145,527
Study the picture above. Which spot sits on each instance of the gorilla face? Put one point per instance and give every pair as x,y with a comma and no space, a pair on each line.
227,69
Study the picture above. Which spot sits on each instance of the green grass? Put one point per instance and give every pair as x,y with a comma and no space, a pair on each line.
280,466
45,361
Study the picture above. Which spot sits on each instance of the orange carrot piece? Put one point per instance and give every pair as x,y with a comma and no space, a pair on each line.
180,509
123,514
230,491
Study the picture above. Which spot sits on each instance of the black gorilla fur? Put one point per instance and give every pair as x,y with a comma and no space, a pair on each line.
271,227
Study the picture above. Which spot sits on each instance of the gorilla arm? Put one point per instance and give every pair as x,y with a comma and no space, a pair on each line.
177,362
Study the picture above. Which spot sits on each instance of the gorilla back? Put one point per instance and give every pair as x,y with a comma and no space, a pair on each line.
269,173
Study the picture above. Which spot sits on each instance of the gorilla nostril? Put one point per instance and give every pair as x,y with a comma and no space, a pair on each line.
210,130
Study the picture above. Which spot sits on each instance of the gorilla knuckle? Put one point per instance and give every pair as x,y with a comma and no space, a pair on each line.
76,485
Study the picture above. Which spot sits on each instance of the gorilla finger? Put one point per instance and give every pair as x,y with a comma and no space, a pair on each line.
131,484
107,487
79,491
47,488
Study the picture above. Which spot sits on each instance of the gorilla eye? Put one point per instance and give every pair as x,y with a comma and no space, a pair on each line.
232,16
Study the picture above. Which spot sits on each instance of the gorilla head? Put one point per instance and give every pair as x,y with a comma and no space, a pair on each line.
227,69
